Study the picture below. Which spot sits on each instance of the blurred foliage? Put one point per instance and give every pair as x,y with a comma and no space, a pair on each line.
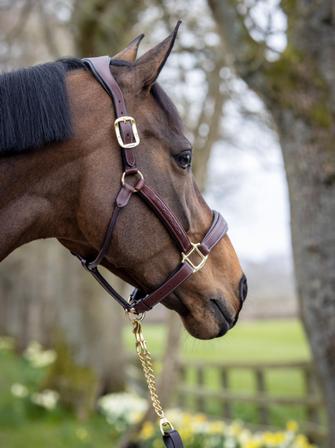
276,340
104,26
24,376
25,421
47,423
76,384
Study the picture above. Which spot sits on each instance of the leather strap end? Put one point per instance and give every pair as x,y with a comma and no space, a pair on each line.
172,439
124,195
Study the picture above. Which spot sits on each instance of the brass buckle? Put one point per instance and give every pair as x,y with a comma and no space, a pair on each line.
186,257
132,122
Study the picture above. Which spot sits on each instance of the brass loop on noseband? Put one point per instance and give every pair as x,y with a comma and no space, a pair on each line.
139,179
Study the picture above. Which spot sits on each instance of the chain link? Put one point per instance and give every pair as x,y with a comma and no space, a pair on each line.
146,362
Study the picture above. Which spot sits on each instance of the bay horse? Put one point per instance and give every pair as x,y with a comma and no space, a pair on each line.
60,170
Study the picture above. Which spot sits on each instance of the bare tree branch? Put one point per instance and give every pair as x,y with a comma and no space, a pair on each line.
211,119
47,29
23,17
249,55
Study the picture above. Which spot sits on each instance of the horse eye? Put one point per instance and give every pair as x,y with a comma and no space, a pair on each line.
184,159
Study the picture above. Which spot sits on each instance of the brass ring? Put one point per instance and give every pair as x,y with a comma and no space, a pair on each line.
131,173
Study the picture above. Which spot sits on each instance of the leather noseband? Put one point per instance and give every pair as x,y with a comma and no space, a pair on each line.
193,255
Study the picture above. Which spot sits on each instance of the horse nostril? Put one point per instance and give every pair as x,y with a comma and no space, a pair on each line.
243,288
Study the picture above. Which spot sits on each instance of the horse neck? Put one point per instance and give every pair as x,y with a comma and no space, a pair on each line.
35,191
40,190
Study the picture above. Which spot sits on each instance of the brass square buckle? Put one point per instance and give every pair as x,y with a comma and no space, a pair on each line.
132,121
195,249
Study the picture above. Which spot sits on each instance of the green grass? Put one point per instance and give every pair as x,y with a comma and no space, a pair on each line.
24,428
271,340
255,342
64,432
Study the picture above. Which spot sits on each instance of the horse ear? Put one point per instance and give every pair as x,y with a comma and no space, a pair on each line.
129,53
151,63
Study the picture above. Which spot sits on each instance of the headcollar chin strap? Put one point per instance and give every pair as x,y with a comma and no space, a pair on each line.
193,255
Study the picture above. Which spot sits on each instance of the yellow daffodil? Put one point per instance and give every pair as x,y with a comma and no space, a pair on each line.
148,431
292,426
252,444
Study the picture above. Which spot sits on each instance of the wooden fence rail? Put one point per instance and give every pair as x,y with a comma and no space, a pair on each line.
310,401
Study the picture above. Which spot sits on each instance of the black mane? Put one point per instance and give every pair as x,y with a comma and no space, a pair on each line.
167,105
34,109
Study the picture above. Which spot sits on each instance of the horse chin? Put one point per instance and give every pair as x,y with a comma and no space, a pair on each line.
201,322
205,329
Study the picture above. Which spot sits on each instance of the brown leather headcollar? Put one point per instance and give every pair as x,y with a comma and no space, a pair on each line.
193,255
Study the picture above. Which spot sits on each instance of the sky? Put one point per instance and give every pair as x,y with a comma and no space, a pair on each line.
247,183
255,205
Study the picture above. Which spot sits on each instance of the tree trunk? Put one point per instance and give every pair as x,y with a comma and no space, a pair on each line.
92,323
310,167
300,93
210,116
168,380
104,26
299,90
26,299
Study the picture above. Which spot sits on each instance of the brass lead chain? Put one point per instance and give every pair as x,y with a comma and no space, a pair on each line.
146,362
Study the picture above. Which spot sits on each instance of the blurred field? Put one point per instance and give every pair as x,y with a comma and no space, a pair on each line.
270,340
252,341
275,341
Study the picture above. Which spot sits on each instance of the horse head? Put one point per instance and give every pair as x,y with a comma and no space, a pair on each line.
142,252
61,168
